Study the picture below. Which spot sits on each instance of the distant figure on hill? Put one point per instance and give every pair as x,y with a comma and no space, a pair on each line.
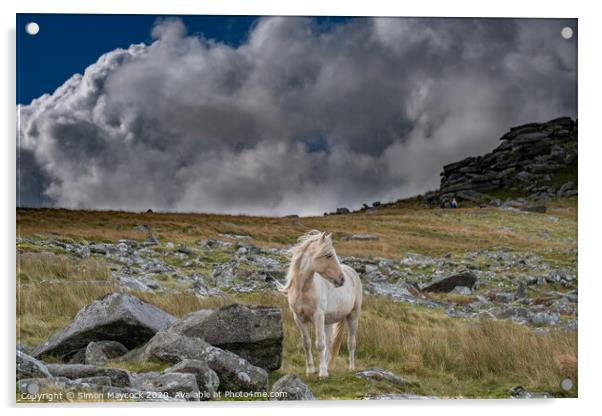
454,203
443,203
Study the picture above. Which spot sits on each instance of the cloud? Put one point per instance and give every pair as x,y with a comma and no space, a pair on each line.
298,119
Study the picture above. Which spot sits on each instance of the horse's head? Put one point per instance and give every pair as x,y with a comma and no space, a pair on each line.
326,262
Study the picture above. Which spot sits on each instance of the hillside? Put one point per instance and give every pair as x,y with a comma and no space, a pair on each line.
506,317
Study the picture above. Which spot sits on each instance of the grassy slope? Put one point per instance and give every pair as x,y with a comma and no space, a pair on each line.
445,356
402,228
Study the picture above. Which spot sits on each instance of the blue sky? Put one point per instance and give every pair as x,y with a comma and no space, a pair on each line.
68,43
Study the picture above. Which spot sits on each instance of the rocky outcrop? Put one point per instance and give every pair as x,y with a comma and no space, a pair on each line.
290,387
116,317
234,372
252,332
528,160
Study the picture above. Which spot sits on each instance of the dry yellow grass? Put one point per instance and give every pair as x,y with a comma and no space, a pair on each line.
402,228
446,356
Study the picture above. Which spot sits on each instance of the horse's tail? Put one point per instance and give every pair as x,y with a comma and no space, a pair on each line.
336,342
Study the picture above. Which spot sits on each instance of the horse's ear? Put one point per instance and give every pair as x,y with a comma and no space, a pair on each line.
323,236
329,236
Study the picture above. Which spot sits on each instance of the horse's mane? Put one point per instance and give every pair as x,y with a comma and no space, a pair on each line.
298,250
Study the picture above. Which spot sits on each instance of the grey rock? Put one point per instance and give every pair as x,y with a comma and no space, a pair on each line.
519,392
24,348
447,284
521,290
252,332
462,290
47,385
78,358
150,241
116,317
119,377
534,208
29,367
377,374
544,318
234,372
290,387
364,237
98,380
99,352
177,385
207,380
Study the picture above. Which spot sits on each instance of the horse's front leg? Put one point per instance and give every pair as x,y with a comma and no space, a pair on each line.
321,344
309,359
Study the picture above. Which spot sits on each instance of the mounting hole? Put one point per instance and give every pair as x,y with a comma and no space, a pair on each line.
566,32
32,28
566,384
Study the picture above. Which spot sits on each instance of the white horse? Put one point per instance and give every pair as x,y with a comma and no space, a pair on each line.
323,292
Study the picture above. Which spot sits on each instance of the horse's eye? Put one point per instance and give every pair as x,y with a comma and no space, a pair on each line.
328,256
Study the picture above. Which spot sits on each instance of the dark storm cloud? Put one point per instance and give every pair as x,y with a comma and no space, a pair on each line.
297,119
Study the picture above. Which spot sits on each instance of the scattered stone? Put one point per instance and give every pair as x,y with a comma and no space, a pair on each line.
535,208
462,290
519,392
175,384
98,380
29,367
364,237
521,290
206,379
447,284
290,387
252,332
544,319
119,377
377,374
99,352
116,317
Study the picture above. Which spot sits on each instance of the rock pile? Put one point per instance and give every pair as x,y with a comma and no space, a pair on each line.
532,157
212,350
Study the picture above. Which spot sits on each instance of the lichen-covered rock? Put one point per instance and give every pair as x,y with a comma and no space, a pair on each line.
177,385
119,377
234,372
99,352
117,317
290,387
377,374
252,332
29,367
207,379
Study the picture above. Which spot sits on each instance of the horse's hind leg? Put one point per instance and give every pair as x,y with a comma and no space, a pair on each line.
352,322
309,359
328,332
